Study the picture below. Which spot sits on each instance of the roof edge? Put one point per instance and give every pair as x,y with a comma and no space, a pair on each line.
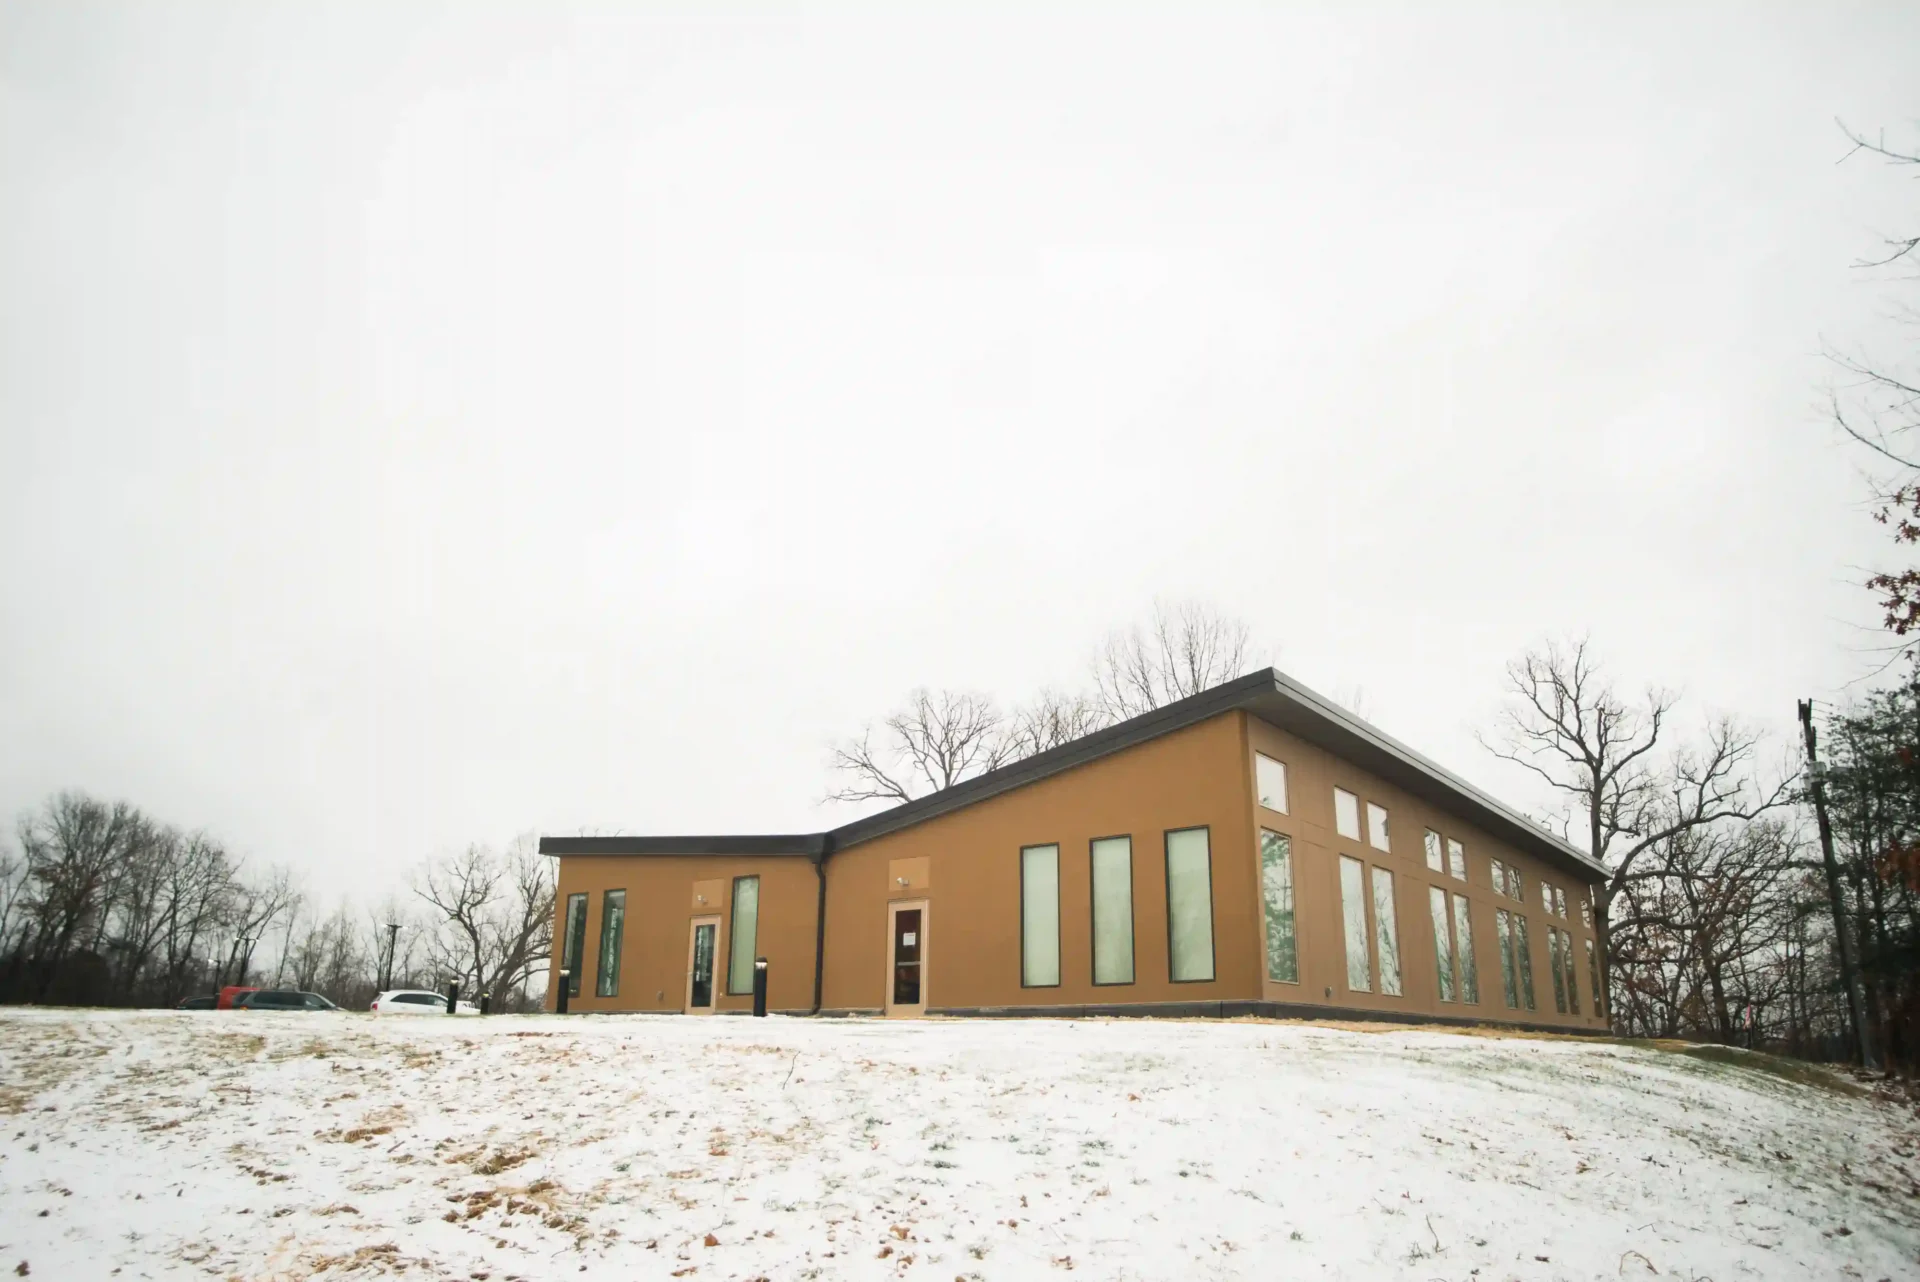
811,844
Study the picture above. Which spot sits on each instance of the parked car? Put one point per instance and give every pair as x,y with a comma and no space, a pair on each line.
197,1003
417,1001
283,999
230,996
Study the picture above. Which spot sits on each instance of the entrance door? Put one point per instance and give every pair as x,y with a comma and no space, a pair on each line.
703,947
907,958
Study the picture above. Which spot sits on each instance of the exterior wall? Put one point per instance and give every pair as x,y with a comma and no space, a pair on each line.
970,879
1312,775
660,908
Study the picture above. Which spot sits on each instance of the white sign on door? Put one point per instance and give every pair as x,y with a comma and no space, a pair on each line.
906,940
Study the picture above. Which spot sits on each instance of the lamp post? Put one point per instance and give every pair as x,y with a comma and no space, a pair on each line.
386,965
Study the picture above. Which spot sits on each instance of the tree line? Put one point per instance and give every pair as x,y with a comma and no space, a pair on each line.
102,904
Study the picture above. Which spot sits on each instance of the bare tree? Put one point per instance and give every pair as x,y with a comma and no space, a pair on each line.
496,913
1600,754
1053,718
1184,648
939,739
73,851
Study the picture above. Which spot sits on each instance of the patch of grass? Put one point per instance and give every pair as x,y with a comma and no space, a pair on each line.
1799,1072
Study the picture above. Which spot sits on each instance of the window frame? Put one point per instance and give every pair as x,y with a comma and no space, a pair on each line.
733,934
1356,835
605,983
1293,909
1058,969
1213,941
1380,836
1457,848
573,947
1436,854
1466,964
1093,921
1346,922
1443,951
1259,793
1391,934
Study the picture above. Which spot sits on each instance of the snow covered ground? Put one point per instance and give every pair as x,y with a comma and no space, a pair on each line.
162,1145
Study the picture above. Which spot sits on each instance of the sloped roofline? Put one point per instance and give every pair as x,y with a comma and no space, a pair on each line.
1268,694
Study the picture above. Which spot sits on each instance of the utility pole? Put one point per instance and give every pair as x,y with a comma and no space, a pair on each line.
386,966
1843,934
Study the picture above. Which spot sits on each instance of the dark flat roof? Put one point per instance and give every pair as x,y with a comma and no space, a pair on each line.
1268,694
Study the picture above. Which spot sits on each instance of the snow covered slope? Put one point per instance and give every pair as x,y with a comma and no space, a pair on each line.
234,1145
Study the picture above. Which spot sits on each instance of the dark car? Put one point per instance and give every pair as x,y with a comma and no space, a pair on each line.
282,999
197,1003
230,996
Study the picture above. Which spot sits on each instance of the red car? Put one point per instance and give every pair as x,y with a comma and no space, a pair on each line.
230,993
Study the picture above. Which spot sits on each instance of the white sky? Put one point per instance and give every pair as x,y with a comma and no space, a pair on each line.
423,425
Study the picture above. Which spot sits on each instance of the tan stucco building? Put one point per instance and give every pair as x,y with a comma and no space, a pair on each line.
1254,849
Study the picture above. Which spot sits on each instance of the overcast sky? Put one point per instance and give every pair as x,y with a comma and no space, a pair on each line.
422,425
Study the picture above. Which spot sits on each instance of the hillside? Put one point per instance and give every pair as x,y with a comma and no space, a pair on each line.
160,1145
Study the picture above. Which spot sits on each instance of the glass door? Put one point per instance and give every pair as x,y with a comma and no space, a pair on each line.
701,950
907,960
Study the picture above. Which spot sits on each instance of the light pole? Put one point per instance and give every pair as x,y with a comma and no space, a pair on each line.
386,966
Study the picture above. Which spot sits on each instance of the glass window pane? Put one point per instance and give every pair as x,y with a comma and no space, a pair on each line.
1514,888
1353,906
1113,910
1502,928
1499,871
1554,965
1377,827
576,942
1346,813
1270,778
1463,944
1189,905
1593,978
1386,932
745,934
1040,916
1586,908
1432,842
1276,892
1566,961
1559,902
1523,959
1546,898
1442,941
1456,860
613,920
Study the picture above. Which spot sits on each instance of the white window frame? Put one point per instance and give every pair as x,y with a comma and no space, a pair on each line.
1377,831
1346,814
1268,770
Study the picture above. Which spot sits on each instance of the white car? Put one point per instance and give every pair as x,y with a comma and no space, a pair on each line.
417,1001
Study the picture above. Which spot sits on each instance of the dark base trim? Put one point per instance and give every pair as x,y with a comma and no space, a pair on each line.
1245,1008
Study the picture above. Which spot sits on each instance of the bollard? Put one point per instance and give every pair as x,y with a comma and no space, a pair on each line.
560,1002
453,999
486,999
760,987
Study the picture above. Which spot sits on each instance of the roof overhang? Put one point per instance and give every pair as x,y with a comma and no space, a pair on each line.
811,844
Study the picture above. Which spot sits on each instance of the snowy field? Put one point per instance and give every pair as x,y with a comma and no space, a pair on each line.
231,1145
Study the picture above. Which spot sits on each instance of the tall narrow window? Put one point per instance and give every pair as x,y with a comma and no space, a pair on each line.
1456,860
1346,814
576,942
1559,903
1270,779
1586,907
1566,960
1377,827
1593,978
743,934
1515,890
613,921
1276,894
1463,947
1386,932
1442,941
1546,898
1554,964
1353,907
1499,871
1503,929
1112,859
1189,906
1039,916
1432,842
1523,959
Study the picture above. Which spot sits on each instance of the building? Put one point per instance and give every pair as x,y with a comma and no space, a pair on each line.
1253,849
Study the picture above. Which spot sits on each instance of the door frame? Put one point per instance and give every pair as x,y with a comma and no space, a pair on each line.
893,1009
693,933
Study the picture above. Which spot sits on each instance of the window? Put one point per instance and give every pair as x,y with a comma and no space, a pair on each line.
1463,949
1593,977
1566,959
1456,860
1377,827
1270,780
1586,908
1386,933
1503,934
1559,903
1442,940
1499,871
1523,960
1554,965
1112,859
1515,890
613,920
1432,842
1276,893
1353,906
1346,814
1039,916
745,934
576,942
1546,898
1189,906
